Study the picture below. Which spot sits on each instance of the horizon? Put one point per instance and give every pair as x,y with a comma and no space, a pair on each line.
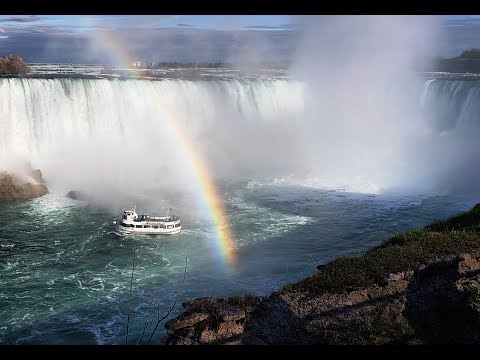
82,39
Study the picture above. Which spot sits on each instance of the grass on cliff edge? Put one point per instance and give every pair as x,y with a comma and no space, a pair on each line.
399,253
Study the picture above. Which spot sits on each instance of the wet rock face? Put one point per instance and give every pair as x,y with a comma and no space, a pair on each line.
77,195
13,188
38,176
30,191
35,174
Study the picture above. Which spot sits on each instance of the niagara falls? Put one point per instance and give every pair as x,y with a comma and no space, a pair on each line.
291,154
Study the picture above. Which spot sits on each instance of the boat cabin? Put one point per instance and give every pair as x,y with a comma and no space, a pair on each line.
129,215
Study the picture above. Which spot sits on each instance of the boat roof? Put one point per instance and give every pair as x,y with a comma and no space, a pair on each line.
131,211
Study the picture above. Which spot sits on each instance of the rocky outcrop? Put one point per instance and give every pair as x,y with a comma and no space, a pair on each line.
211,321
37,176
77,195
185,320
13,65
437,302
13,187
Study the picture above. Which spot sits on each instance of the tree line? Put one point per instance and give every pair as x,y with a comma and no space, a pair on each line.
208,65
467,62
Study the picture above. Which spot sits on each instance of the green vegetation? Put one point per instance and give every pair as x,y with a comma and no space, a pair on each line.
470,54
179,65
402,252
211,305
437,301
472,293
399,332
13,65
212,65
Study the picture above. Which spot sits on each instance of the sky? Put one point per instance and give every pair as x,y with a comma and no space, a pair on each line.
80,23
184,38
112,39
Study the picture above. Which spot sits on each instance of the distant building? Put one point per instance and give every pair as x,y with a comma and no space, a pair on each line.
137,64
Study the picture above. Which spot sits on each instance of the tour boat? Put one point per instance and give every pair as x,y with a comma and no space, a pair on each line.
133,223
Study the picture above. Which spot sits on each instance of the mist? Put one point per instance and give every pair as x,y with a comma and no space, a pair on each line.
116,138
352,106
364,116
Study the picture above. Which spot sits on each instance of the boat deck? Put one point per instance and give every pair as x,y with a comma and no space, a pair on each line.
156,219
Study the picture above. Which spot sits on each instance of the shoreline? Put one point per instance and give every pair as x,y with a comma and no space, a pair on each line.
418,287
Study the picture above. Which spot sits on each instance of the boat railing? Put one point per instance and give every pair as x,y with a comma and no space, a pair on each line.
160,219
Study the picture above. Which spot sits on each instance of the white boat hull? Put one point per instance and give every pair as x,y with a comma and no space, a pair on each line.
149,231
132,223
122,231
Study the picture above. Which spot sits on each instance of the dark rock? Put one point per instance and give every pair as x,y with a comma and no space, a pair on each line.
77,195
381,281
395,277
225,333
465,256
415,307
419,271
231,313
468,265
202,304
179,340
409,273
185,320
38,176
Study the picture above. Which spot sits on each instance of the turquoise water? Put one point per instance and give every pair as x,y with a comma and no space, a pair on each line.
66,276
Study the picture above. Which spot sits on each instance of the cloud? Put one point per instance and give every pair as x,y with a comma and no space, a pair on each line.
3,36
184,25
136,21
19,19
361,115
44,43
271,27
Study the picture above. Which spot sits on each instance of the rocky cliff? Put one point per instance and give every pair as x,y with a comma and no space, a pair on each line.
28,184
421,287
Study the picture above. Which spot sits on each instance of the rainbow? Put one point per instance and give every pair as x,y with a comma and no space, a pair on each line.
206,187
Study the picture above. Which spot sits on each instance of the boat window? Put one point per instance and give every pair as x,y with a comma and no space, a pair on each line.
146,226
177,225
170,227
124,217
155,226
139,226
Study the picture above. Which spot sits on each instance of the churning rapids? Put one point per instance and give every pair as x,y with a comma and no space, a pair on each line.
66,276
